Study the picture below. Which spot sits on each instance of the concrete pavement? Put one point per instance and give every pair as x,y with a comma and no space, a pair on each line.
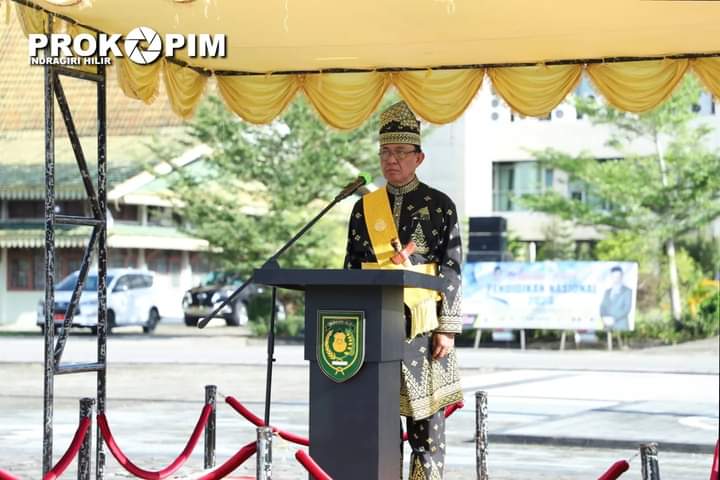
549,412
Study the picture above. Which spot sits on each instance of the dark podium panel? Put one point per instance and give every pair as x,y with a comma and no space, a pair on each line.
355,424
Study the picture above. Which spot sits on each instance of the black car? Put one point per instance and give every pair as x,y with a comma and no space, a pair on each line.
199,301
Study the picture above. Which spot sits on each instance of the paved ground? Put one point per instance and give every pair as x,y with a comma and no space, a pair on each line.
549,412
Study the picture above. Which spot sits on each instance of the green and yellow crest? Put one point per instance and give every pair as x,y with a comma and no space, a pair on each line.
340,343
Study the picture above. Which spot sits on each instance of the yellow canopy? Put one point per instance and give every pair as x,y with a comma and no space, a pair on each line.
533,51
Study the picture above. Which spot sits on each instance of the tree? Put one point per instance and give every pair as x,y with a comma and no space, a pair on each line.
262,183
668,190
558,243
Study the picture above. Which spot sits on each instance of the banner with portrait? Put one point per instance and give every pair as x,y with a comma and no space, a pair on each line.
562,295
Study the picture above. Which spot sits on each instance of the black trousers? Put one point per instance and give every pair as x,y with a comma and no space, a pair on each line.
427,441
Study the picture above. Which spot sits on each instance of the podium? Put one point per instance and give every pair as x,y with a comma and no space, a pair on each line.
354,417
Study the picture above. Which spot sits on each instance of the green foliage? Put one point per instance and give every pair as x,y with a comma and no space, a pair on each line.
515,247
259,314
656,325
289,327
262,183
705,251
558,244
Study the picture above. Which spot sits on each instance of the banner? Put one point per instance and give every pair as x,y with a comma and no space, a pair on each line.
565,295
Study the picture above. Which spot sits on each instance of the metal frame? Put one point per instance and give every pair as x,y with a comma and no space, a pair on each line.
98,242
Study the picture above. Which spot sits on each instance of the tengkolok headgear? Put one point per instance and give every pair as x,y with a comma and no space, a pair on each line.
399,125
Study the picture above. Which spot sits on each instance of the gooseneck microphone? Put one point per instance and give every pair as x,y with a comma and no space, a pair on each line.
362,179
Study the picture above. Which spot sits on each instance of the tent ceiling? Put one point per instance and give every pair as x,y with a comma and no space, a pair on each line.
291,35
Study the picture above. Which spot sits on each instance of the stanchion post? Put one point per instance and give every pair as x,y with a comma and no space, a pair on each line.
264,453
649,459
210,427
84,462
481,435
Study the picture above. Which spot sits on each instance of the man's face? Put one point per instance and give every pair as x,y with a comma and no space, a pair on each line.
399,162
617,278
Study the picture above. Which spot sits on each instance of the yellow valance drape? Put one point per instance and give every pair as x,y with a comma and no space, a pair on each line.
535,91
31,20
708,69
258,99
346,100
637,86
141,82
439,96
184,87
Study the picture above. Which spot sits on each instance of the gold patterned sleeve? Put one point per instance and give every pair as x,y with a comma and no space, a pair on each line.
450,264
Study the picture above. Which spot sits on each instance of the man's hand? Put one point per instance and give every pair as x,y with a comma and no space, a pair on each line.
442,344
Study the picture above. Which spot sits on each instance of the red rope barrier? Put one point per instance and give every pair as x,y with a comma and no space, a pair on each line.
615,470
71,452
231,464
259,422
243,410
165,472
310,465
7,475
291,437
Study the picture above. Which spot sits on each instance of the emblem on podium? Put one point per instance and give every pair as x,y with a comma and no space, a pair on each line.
340,343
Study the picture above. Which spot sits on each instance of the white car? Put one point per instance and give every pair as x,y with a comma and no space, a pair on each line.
130,301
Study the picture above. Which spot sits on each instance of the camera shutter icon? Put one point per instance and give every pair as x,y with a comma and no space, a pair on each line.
143,45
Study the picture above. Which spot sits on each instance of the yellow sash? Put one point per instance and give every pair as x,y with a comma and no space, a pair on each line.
381,228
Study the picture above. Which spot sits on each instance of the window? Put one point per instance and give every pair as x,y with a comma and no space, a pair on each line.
75,208
122,284
26,269
581,192
160,216
136,282
124,213
200,266
166,262
91,283
512,180
122,258
26,209
157,261
705,105
67,261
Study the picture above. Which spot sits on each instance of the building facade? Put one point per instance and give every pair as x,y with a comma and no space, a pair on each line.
143,232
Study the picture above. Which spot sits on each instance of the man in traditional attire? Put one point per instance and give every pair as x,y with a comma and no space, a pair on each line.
408,224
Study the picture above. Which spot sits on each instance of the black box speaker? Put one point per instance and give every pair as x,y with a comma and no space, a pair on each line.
492,243
488,224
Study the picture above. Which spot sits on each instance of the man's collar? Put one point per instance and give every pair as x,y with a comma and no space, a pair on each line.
403,189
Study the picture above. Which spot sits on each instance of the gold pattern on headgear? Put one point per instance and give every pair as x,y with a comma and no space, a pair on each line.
399,125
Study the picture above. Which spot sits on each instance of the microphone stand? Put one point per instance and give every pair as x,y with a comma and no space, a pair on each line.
269,264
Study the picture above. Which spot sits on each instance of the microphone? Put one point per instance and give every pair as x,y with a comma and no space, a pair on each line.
362,179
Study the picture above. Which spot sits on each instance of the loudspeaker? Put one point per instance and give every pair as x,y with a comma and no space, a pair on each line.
488,224
485,242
